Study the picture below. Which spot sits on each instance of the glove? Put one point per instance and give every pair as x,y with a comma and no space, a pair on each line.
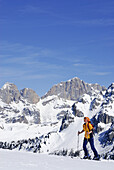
78,132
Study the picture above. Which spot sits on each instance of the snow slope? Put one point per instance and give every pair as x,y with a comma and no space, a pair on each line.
50,108
58,127
12,160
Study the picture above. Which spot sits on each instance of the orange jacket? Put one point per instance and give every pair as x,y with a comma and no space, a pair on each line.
86,129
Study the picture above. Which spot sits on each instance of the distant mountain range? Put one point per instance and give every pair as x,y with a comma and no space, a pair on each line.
10,93
73,89
50,123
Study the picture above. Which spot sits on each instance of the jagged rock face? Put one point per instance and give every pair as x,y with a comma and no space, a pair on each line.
66,120
106,112
18,119
110,91
76,111
30,95
9,93
107,106
102,105
73,89
27,114
35,114
95,103
18,106
98,87
107,137
105,118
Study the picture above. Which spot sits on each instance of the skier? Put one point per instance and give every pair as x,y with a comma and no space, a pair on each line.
88,128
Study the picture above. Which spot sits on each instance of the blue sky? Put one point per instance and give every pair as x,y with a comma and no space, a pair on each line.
44,42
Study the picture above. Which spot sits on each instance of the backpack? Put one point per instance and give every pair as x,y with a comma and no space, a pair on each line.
93,130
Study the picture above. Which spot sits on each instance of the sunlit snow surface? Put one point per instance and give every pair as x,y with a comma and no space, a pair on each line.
49,108
13,160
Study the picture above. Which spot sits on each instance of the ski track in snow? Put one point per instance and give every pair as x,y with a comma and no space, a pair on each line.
15,160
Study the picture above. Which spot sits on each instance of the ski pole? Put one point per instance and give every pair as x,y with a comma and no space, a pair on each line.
87,137
78,143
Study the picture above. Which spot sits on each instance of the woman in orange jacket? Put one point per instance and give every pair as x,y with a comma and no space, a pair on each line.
88,128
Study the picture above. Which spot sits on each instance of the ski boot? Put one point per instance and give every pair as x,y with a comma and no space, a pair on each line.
97,158
87,157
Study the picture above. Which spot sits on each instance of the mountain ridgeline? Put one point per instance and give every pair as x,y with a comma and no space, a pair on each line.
9,92
61,108
73,89
24,106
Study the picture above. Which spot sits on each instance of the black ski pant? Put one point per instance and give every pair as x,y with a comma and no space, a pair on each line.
91,141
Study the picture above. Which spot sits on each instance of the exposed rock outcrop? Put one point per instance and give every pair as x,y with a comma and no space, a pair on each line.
9,93
77,112
66,120
73,89
30,95
19,106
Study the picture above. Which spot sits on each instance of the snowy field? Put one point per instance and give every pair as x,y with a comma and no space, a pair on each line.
15,160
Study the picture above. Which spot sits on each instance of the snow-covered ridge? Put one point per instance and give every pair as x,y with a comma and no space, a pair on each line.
53,122
7,85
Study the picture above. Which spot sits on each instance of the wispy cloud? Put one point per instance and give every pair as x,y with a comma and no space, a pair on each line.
90,22
92,66
41,76
63,19
24,74
27,63
33,9
82,65
101,73
12,53
43,65
107,8
4,56
16,60
66,20
41,10
92,69
9,72
14,47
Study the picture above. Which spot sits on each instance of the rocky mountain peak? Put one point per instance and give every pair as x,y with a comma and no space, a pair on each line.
7,86
9,93
73,89
30,95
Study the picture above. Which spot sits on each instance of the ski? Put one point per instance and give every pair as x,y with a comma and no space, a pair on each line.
91,159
